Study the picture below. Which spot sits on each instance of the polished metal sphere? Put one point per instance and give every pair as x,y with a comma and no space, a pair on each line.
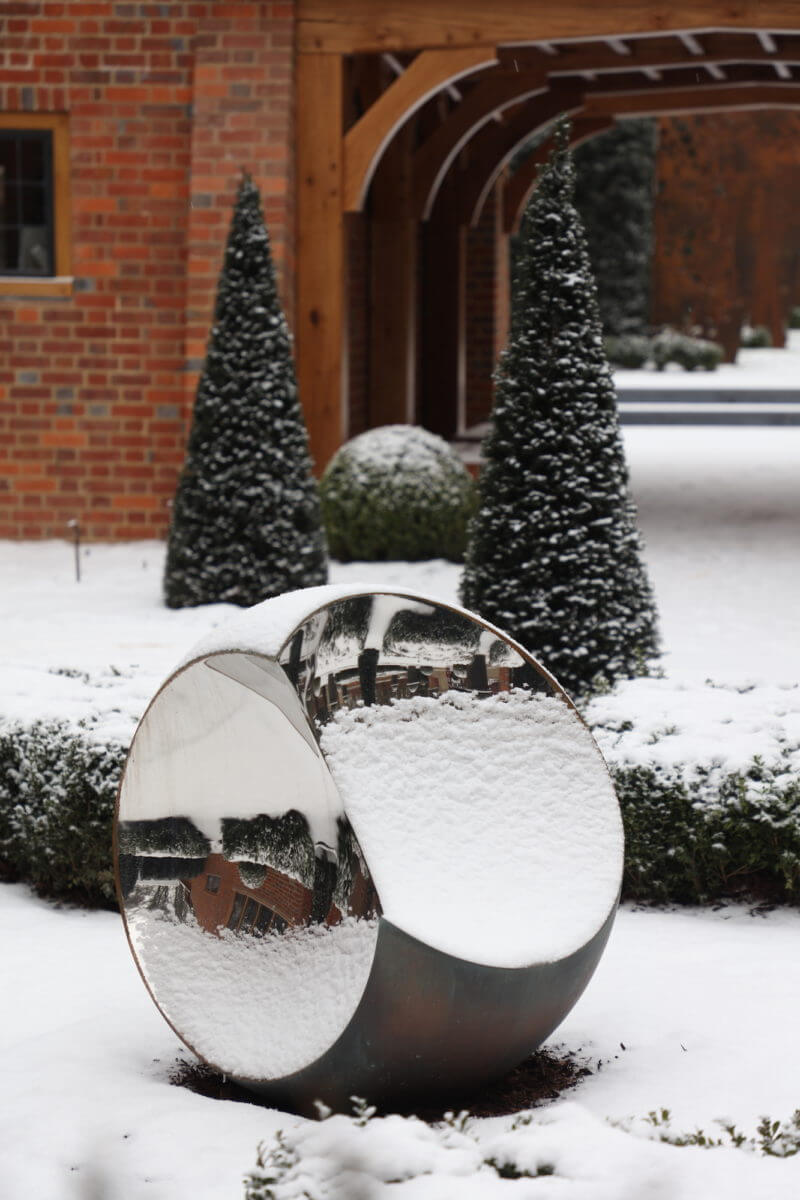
365,845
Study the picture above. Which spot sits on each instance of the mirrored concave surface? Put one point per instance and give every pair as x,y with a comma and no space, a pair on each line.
397,770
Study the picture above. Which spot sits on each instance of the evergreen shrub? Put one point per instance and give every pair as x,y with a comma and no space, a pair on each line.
689,839
755,337
554,554
629,350
691,353
174,835
794,317
397,492
711,836
614,195
283,843
57,795
245,523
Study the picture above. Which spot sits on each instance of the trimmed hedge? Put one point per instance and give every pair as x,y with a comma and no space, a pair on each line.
634,350
689,840
710,837
57,795
691,353
629,350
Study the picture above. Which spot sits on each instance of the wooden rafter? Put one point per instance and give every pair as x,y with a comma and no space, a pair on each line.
652,53
641,64
704,97
366,140
613,96
680,78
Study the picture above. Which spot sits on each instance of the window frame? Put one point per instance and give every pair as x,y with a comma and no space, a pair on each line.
61,282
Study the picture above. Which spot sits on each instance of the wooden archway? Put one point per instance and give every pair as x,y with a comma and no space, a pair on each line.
624,101
423,151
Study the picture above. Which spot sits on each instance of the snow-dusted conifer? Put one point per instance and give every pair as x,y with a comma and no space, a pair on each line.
554,555
246,520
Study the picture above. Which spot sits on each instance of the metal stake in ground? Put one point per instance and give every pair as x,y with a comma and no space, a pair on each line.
74,525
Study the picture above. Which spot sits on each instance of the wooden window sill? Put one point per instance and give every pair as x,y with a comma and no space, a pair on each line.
32,285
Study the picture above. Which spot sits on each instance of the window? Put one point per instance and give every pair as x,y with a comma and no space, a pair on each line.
34,204
26,202
247,916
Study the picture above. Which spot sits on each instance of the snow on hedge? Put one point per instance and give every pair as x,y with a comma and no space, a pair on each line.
490,825
666,723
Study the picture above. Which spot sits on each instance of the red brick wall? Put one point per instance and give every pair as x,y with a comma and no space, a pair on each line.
166,103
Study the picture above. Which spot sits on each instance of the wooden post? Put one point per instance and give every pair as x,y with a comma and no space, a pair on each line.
393,293
442,372
766,307
320,312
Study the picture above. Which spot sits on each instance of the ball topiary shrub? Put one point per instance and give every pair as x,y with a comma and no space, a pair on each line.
397,492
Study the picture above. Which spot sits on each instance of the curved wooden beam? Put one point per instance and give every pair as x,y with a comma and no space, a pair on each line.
521,185
527,71
366,140
435,157
498,145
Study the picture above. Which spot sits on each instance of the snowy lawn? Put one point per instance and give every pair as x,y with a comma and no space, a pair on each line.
704,1003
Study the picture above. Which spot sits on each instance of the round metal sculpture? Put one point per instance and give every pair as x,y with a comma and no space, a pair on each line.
365,845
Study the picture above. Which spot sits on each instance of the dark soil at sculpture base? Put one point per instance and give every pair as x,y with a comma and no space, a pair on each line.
541,1078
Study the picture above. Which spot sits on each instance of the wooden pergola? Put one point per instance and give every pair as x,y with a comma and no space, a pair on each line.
413,115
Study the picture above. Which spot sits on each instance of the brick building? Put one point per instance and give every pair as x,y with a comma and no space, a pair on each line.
150,111
123,130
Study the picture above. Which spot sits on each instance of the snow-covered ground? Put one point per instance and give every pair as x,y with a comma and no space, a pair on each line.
704,1003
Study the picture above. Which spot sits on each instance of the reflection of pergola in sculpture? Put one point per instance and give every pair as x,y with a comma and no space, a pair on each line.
412,114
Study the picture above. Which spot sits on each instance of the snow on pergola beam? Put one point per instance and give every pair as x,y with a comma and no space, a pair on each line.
656,52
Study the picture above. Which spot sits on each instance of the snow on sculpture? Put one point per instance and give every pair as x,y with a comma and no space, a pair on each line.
365,845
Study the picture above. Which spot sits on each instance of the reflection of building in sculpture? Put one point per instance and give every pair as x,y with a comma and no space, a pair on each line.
375,649
373,684
268,877
221,899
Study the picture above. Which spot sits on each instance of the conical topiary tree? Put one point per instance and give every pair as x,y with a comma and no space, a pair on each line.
554,555
246,521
